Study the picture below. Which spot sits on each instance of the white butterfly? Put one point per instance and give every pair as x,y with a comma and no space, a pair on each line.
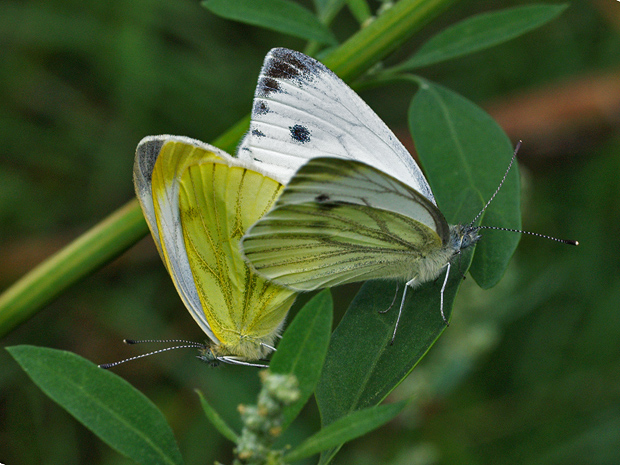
360,208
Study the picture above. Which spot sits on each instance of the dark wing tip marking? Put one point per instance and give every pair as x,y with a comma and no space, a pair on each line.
146,155
300,133
286,67
267,85
289,65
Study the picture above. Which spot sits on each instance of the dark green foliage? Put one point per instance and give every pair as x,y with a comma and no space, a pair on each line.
525,374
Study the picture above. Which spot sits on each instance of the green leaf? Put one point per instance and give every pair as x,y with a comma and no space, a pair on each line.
480,32
216,420
278,15
303,348
345,429
362,367
106,404
465,154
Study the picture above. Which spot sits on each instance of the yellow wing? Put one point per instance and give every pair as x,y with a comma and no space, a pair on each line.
203,201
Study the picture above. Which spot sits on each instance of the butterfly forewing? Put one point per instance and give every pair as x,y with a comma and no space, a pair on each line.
199,201
342,221
303,110
174,155
146,156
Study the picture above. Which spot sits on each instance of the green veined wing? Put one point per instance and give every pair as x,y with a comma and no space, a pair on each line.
341,221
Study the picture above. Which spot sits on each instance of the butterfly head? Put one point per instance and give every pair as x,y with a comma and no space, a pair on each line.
464,236
207,356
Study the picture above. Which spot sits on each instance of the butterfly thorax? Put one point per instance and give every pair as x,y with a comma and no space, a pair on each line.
434,262
207,356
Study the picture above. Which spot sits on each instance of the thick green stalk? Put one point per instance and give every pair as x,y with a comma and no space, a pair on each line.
126,226
90,251
373,43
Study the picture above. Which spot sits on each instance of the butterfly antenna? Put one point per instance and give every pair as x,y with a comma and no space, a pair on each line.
514,157
512,160
186,345
544,236
164,341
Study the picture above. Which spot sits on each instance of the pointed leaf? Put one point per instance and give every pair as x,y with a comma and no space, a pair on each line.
480,32
361,367
346,429
278,15
303,348
216,420
465,154
106,404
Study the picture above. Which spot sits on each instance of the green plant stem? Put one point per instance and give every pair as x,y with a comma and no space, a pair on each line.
374,42
126,226
90,251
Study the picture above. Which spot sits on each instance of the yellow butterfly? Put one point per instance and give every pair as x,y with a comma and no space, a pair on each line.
198,202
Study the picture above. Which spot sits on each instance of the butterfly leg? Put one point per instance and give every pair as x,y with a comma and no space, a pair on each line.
408,284
273,349
443,288
413,283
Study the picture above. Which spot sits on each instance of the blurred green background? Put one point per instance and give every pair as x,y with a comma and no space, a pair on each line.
527,373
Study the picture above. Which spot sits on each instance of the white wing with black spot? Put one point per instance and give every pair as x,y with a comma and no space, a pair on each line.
302,110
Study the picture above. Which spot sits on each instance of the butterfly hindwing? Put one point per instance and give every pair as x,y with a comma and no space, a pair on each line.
342,221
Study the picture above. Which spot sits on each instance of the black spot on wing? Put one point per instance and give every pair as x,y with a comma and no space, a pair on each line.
325,202
260,107
267,86
300,133
258,133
